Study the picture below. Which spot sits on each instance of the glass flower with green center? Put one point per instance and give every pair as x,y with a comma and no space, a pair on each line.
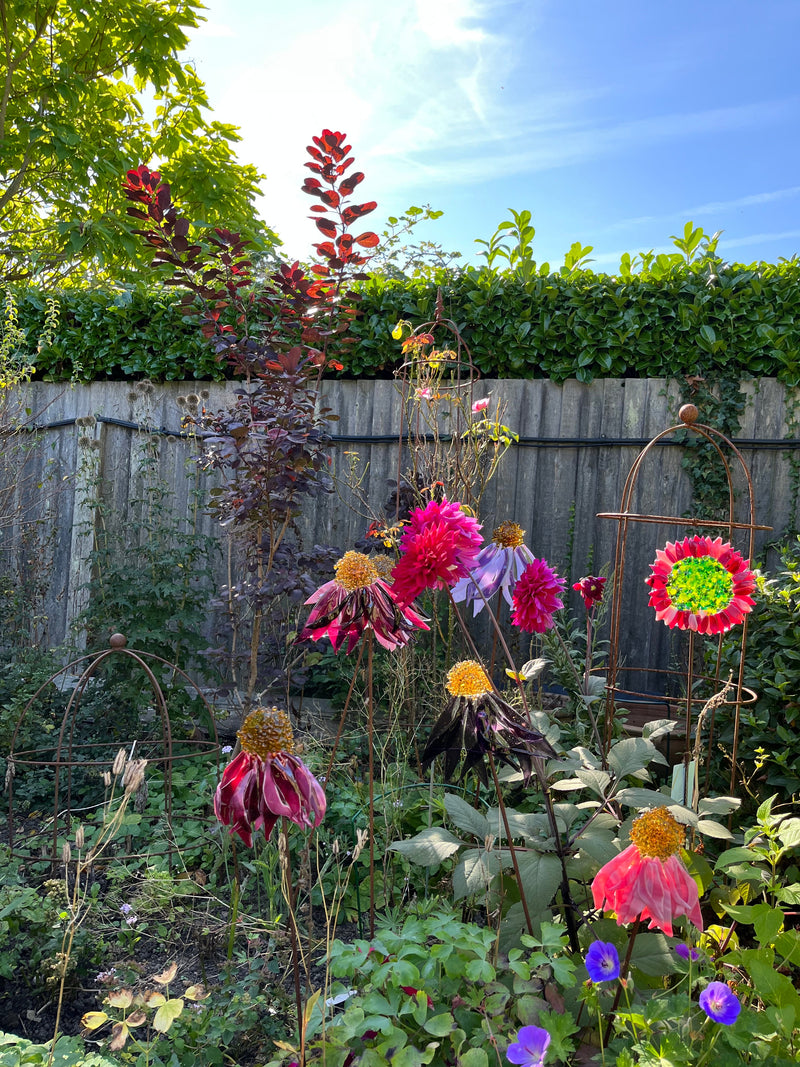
267,780
499,566
477,722
647,880
359,599
701,584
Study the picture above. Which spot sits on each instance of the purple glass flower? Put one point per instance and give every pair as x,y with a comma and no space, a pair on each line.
602,962
687,952
499,566
720,1004
530,1047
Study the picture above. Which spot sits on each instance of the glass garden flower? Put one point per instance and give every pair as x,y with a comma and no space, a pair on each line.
439,545
720,1003
536,597
700,584
476,722
267,780
591,589
530,1048
602,961
499,566
647,880
358,599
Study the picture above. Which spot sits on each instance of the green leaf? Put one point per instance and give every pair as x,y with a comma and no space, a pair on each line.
632,755
429,847
440,1025
473,1057
167,1014
465,817
540,876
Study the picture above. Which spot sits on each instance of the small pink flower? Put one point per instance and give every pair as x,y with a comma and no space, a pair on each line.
423,393
480,405
536,597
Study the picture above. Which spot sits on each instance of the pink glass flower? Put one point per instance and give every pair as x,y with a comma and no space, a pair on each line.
647,879
480,405
439,545
591,589
267,780
499,566
536,597
700,584
358,599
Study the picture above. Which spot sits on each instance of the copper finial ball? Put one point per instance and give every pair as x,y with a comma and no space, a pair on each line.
688,414
118,640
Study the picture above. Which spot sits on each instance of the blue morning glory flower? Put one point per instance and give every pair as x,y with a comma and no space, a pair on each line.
530,1047
686,952
720,1004
602,962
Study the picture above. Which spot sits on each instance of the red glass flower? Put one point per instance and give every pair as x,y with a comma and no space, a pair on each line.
591,589
536,597
358,599
700,584
267,780
440,544
647,879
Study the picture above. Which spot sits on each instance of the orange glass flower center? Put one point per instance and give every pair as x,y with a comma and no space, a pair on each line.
355,571
508,535
657,833
468,679
267,731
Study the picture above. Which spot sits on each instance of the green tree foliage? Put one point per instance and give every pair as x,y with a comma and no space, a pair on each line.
88,90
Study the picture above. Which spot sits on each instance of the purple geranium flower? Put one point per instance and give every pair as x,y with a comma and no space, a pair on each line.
530,1047
720,1004
499,566
687,952
602,962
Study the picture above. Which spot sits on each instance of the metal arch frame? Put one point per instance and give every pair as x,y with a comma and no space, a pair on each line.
625,517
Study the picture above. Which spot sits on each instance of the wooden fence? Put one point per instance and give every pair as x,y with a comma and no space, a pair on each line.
576,445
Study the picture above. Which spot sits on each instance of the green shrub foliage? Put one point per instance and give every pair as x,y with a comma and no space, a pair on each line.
669,319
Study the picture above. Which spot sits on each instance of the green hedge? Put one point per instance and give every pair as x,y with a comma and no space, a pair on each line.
740,321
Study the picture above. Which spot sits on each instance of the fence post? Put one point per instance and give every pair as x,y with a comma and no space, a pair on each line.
91,441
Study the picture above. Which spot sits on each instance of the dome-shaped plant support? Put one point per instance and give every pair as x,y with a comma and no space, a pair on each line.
698,687
67,753
436,380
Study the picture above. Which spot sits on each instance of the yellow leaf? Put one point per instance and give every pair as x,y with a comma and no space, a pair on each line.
166,976
309,1007
136,1018
285,1046
167,1014
119,1035
197,992
153,999
92,1020
123,998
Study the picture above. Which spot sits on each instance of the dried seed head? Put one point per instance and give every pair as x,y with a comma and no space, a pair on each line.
66,853
107,779
362,836
134,773
80,838
118,766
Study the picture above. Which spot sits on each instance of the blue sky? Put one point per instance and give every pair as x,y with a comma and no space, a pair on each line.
613,123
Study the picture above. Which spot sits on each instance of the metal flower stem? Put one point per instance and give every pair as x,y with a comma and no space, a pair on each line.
370,725
623,974
294,936
344,715
569,916
501,805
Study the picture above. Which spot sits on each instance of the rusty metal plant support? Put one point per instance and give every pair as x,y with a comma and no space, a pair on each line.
64,755
745,531
451,372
